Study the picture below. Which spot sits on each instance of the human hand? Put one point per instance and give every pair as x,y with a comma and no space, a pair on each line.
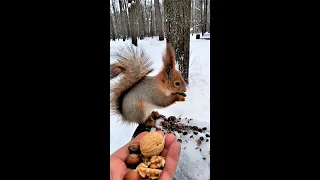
171,152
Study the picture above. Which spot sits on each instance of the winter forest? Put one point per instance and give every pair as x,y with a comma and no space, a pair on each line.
173,20
149,25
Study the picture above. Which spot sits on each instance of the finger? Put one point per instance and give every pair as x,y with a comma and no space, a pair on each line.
123,152
118,168
170,138
171,161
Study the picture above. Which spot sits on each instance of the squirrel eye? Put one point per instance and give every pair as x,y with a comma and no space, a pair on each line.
177,83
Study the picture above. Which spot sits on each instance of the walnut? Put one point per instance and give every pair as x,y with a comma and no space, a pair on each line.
156,162
148,172
141,165
152,144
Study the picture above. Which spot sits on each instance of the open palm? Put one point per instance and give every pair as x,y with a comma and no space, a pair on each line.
171,152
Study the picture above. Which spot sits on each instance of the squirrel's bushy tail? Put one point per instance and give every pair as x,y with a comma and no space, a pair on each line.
133,65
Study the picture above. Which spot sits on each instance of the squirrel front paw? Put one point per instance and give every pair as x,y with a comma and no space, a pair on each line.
179,97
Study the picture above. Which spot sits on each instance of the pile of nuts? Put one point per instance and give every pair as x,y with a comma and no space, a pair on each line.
144,159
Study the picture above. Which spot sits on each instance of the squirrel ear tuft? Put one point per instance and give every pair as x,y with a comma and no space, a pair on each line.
169,60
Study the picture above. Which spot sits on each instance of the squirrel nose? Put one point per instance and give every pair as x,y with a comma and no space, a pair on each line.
184,89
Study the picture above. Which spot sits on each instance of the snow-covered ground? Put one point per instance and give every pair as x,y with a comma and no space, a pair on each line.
191,165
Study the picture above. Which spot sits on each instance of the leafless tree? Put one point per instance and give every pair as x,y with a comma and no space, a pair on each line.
159,25
113,36
177,24
151,21
133,23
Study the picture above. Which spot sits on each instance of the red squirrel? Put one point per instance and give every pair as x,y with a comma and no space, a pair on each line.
136,95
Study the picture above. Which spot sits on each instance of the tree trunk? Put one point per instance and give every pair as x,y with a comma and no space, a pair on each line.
126,18
205,15
112,28
159,28
142,24
146,18
151,23
116,28
201,16
122,24
208,25
133,24
178,32
137,17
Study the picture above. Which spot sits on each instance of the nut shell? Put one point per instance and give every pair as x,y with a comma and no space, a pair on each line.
131,175
152,144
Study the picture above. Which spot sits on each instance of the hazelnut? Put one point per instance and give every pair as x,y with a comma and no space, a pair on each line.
131,175
133,160
134,147
152,144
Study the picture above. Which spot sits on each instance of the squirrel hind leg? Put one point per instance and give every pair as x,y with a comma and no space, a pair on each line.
134,112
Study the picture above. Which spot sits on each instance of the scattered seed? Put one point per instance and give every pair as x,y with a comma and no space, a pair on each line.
200,150
185,133
204,158
198,142
179,140
195,132
184,147
179,131
191,136
197,148
207,140
207,135
172,118
200,130
186,141
201,138
204,128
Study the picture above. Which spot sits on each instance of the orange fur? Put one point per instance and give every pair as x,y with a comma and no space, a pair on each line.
140,105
